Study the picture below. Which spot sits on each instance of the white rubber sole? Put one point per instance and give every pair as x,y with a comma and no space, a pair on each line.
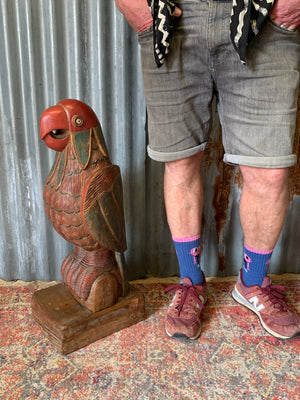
181,336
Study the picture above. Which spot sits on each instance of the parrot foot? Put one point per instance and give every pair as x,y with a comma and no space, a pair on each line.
104,293
93,277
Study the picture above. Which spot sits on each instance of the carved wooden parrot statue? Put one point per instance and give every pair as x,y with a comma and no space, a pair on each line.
83,199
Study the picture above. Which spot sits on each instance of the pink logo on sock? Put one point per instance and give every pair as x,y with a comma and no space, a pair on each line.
195,253
247,260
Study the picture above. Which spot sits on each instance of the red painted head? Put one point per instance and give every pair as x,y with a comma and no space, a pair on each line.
67,116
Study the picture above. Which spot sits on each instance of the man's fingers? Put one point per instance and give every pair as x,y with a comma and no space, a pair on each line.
177,12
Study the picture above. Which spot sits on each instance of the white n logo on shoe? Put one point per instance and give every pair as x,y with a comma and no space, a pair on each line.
258,307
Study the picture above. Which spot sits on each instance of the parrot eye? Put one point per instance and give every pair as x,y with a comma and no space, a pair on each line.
59,133
77,121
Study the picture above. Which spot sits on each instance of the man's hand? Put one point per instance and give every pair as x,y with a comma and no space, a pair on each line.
286,13
138,14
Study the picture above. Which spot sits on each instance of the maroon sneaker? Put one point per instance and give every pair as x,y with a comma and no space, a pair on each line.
268,303
183,320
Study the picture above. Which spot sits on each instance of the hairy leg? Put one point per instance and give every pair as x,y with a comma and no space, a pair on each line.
183,190
184,201
263,205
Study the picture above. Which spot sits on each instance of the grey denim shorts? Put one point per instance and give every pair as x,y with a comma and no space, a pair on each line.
257,102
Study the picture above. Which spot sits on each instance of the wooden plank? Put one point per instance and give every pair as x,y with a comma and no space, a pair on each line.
69,326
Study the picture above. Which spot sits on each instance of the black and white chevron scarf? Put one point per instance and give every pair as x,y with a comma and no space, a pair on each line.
162,12
247,19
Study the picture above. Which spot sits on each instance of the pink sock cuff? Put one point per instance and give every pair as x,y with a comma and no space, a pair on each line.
258,251
188,239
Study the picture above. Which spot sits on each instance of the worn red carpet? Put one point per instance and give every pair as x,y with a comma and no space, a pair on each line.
233,358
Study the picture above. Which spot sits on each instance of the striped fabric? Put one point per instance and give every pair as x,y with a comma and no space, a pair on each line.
248,17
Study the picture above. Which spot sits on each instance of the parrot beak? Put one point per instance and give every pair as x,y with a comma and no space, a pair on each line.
54,128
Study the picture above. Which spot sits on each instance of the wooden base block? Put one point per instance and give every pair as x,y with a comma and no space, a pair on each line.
69,326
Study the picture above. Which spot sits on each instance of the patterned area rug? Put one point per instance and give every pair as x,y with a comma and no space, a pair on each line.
233,358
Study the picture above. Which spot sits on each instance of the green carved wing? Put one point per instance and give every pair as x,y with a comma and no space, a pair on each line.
102,208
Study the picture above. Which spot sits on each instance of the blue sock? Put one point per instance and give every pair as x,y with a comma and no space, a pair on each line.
255,266
188,254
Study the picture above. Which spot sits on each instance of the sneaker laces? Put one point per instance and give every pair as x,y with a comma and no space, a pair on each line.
185,290
275,293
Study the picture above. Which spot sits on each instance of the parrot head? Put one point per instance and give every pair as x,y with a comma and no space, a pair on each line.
67,116
71,121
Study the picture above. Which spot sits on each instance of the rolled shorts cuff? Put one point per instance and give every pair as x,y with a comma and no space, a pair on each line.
261,162
176,155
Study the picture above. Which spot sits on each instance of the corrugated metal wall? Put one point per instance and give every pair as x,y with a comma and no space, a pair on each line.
83,49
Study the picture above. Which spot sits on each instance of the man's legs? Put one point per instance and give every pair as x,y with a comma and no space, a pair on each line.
263,207
263,202
183,189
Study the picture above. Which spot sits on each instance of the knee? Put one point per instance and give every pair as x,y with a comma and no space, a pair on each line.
265,179
186,168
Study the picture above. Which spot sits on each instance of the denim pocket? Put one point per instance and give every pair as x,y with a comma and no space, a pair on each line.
281,27
148,33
